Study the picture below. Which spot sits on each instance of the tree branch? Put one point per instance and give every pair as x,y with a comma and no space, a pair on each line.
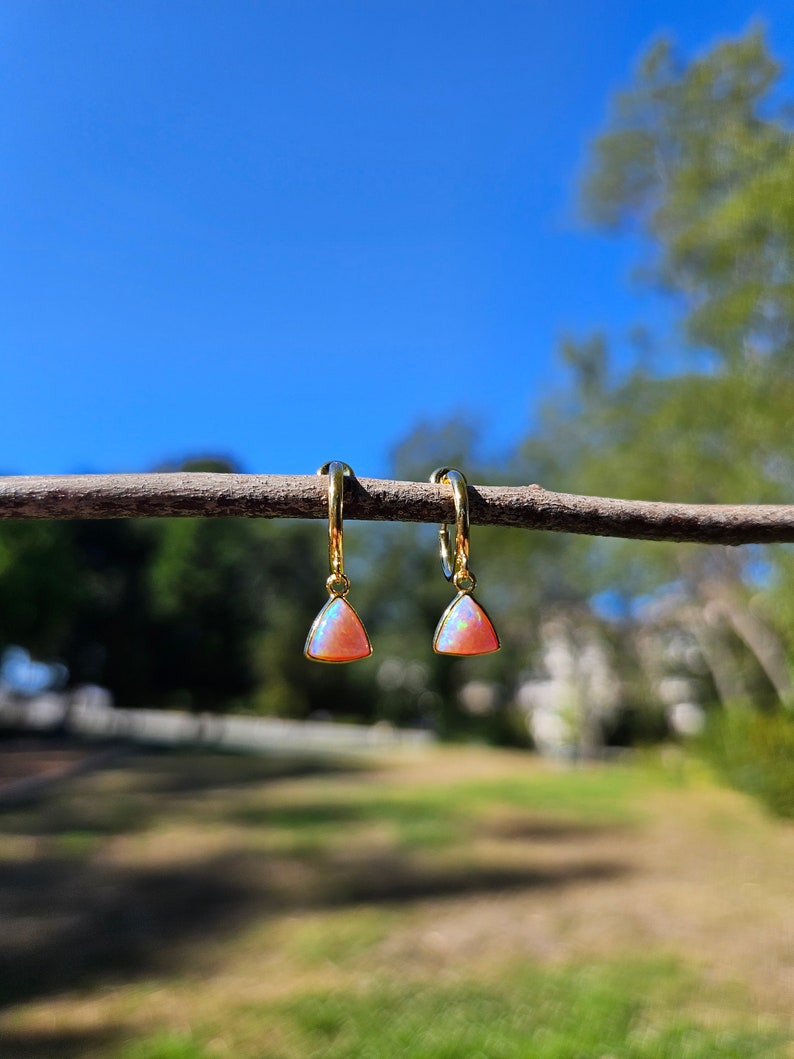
280,496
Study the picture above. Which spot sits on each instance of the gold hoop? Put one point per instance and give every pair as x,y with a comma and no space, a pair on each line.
337,584
455,565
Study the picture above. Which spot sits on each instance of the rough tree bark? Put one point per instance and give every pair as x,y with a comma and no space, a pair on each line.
279,496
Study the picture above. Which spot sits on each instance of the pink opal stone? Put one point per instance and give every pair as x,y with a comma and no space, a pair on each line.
337,634
465,629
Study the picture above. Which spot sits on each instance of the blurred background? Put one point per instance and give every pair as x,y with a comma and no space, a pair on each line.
542,243
545,246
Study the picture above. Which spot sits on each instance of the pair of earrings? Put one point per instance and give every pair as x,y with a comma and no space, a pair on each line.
338,634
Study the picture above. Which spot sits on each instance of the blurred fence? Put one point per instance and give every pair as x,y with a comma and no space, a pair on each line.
88,712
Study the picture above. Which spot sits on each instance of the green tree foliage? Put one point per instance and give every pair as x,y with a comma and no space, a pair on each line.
204,614
39,586
698,160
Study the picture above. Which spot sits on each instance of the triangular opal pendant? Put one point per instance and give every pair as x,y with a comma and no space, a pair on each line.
337,634
465,629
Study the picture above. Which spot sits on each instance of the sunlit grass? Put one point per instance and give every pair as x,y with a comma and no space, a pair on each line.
591,1010
636,1010
340,939
164,1046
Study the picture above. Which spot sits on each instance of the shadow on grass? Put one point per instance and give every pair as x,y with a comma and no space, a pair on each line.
191,772
143,786
519,830
387,880
70,923
64,1044
73,922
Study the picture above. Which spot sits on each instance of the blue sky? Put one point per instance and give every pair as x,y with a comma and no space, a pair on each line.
289,231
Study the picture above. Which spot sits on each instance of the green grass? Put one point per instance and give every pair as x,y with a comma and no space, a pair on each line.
164,1046
412,822
594,793
591,1011
76,843
621,1011
340,939
438,817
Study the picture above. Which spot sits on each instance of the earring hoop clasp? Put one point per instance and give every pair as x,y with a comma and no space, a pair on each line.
337,584
455,564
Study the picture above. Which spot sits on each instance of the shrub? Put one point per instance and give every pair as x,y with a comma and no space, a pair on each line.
754,752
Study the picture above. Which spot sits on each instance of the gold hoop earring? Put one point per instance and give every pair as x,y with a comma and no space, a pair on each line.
464,629
337,633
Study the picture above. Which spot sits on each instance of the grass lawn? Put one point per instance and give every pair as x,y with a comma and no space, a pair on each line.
453,903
